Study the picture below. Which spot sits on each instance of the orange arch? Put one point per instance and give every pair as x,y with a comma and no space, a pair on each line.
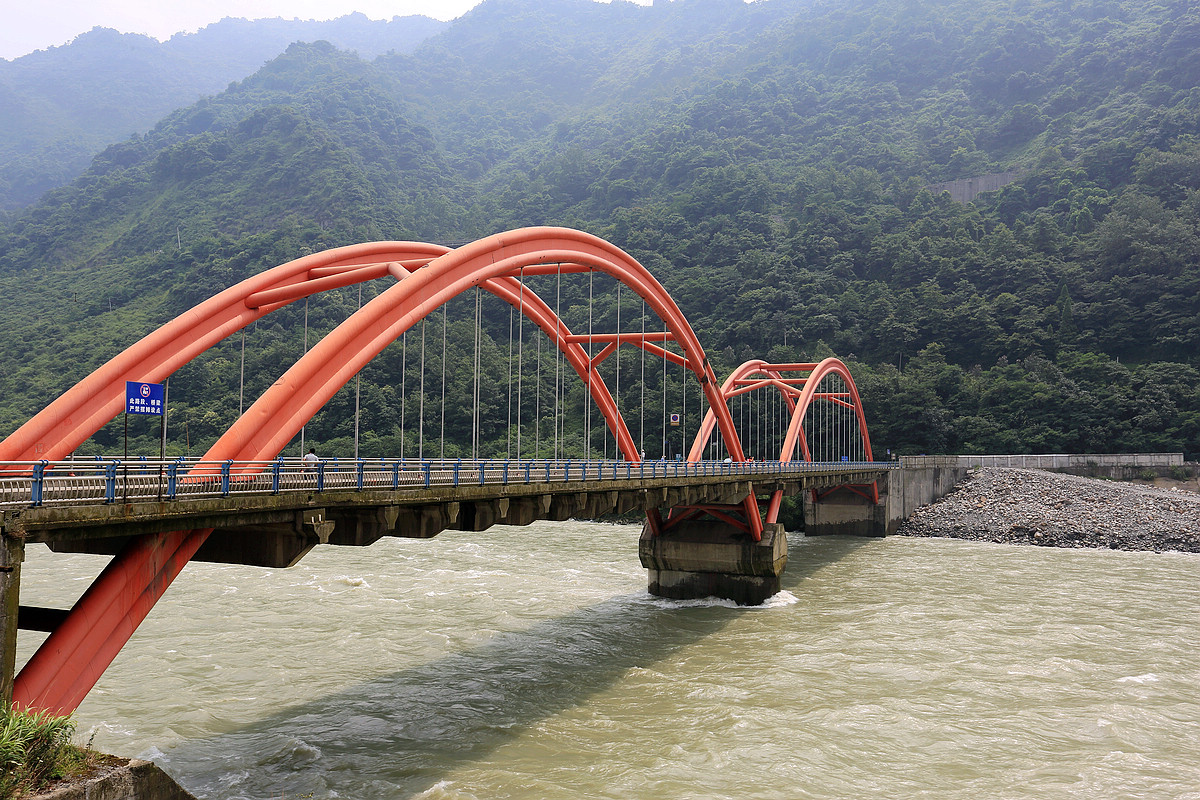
70,661
799,401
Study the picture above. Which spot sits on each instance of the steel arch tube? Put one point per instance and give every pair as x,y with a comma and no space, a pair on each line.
71,660
798,405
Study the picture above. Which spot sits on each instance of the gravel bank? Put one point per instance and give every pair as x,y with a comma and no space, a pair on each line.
1029,506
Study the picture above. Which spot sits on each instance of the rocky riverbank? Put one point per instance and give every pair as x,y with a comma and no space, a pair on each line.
1028,506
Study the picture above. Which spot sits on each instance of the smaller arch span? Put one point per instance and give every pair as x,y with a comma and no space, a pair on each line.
799,385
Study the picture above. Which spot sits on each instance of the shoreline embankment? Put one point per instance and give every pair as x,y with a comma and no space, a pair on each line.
1050,509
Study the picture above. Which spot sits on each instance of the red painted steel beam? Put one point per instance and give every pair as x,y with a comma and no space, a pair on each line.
632,338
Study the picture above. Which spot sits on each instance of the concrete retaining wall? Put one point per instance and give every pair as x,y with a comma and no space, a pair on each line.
964,190
913,486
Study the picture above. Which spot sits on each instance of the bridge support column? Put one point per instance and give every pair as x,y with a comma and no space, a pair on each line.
708,558
12,553
846,514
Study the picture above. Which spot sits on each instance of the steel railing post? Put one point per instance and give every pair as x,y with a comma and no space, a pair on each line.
110,482
39,477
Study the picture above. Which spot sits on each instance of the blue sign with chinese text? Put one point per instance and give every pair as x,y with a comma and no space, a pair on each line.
143,398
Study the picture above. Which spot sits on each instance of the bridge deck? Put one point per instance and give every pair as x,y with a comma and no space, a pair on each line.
67,502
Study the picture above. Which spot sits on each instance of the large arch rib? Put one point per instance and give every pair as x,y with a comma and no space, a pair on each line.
72,659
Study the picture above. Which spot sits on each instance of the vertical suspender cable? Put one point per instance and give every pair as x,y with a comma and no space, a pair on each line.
557,357
664,407
755,421
403,386
847,420
475,387
537,403
442,432
683,417
617,382
739,419
774,431
357,390
642,407
242,377
587,417
421,391
508,449
305,353
520,352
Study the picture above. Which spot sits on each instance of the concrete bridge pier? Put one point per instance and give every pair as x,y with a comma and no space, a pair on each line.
848,514
709,558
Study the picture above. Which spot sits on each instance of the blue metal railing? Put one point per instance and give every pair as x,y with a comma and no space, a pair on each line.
27,484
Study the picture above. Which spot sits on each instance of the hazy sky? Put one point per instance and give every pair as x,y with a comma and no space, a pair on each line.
28,25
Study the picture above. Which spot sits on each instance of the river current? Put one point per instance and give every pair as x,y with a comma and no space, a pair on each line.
531,663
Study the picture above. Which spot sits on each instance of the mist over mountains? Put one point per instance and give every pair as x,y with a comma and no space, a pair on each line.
64,104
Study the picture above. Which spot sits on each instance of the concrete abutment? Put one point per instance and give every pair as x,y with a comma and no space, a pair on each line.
901,492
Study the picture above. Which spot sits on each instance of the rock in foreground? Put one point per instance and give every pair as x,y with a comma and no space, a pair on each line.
1027,506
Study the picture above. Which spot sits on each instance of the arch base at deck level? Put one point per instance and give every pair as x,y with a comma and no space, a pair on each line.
712,558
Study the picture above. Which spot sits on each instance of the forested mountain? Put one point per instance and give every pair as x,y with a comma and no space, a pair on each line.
63,105
768,162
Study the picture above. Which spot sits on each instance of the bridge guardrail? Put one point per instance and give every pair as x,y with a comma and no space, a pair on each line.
1049,460
25,484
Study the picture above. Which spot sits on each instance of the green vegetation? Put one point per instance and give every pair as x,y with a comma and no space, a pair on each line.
768,162
35,749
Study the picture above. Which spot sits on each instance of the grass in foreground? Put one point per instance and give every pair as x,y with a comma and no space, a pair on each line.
35,750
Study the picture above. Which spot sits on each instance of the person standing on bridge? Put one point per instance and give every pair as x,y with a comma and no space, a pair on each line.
310,460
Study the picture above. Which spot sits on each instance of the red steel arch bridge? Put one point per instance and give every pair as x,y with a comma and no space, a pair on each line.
711,518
